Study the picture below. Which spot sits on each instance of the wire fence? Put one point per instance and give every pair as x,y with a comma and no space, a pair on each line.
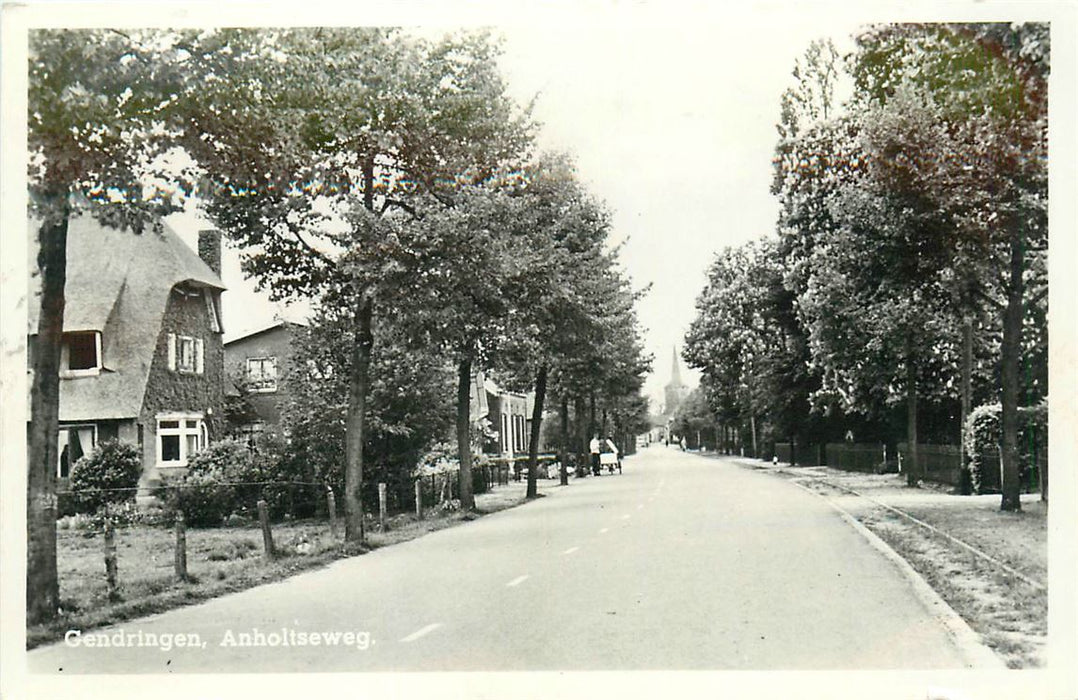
148,534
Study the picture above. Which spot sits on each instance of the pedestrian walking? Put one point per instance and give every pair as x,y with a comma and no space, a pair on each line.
595,448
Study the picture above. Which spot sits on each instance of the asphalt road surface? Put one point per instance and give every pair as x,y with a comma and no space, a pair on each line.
681,562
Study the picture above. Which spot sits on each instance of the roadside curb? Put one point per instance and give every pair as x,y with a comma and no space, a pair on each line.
976,653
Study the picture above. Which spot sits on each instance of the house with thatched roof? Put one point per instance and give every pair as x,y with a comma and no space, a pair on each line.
142,358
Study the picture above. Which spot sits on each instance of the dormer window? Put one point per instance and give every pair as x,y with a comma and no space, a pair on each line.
81,353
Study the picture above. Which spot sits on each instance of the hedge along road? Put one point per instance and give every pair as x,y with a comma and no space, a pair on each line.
678,563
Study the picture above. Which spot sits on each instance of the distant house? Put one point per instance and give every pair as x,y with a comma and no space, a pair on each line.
142,357
257,365
510,417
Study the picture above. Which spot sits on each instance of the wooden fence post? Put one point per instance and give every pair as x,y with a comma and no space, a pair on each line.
419,499
267,535
382,506
181,547
331,507
111,574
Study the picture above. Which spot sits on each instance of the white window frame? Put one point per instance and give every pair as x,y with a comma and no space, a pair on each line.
65,356
520,436
60,447
261,384
198,354
182,431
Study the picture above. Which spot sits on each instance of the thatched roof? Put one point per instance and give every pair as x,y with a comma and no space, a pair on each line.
118,282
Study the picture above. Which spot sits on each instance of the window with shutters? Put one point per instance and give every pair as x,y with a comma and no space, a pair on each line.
185,354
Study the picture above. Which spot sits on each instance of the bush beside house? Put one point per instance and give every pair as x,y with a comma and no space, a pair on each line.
107,476
229,477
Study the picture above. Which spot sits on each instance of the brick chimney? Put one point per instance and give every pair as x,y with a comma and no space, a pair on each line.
209,249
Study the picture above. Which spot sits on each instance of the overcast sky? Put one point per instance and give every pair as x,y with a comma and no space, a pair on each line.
672,123
671,120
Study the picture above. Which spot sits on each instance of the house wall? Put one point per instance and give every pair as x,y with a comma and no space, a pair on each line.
509,418
275,342
170,391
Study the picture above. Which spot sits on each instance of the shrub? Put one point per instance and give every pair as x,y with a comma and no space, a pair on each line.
982,440
224,480
205,502
113,465
204,493
983,435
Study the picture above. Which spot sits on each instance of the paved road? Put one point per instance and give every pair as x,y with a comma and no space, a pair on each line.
681,562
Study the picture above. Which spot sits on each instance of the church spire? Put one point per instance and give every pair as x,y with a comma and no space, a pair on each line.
675,371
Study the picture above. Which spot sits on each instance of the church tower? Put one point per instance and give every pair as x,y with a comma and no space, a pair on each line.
675,391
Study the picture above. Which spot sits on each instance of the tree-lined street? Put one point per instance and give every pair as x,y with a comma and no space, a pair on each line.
405,478
639,571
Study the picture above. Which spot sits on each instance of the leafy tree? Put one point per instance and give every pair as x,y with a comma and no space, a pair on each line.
694,418
990,82
101,125
408,411
564,231
319,143
464,274
880,314
748,341
816,140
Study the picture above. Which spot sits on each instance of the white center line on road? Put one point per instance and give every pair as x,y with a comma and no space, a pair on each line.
570,550
517,581
421,632
604,530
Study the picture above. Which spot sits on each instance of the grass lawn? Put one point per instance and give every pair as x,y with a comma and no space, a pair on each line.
219,560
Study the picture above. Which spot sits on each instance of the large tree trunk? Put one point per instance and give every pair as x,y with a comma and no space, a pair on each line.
752,423
965,480
580,427
42,584
533,441
913,462
593,429
1010,370
564,456
464,431
358,388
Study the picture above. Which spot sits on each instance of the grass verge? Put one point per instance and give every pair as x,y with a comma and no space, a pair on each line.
219,561
1010,614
